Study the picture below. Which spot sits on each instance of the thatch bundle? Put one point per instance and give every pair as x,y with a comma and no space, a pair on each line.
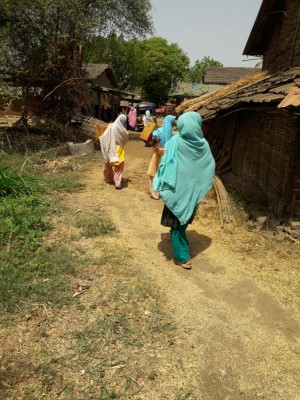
199,102
93,127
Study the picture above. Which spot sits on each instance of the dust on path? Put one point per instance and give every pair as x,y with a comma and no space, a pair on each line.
238,338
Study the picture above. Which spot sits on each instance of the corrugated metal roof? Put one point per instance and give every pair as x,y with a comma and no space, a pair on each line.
188,89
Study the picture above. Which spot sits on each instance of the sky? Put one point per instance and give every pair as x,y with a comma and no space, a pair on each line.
215,28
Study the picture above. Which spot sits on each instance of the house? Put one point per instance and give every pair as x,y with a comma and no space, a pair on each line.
103,83
99,77
253,125
107,97
226,75
188,90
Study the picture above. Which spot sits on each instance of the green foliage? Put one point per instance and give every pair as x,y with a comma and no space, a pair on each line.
45,34
28,269
61,183
22,225
152,65
123,56
44,39
12,183
8,94
21,233
195,73
163,64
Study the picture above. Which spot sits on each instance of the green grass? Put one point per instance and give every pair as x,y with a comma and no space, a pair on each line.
29,270
101,332
12,183
95,225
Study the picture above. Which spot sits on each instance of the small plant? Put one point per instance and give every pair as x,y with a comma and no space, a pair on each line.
12,183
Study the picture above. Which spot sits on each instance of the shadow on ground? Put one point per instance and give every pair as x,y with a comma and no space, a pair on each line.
198,243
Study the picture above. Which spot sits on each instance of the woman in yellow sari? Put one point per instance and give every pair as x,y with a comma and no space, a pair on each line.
112,144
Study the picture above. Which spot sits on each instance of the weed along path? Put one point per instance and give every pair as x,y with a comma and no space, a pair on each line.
231,324
143,328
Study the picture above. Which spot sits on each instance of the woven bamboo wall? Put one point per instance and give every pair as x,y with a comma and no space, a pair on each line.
263,151
262,147
220,137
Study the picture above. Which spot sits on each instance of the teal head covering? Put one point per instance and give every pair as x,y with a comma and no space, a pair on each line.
166,131
187,168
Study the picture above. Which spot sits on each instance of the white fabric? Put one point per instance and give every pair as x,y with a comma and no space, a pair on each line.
147,117
114,134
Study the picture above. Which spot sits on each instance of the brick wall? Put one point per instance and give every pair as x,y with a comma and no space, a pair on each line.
284,46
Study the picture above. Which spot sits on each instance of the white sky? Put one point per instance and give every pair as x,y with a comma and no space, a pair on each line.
215,28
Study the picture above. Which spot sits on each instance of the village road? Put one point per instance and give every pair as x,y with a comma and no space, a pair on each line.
238,338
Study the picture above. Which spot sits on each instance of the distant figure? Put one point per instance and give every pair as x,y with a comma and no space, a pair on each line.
185,174
112,144
132,118
159,138
147,117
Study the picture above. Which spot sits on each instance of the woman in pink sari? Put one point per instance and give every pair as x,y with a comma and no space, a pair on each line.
132,118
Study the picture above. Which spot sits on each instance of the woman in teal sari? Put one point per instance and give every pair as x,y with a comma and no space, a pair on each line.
185,175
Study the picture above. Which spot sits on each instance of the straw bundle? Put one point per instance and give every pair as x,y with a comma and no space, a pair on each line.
199,102
93,127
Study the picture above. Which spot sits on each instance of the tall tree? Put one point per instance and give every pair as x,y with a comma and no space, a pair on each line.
44,39
123,56
195,73
152,65
162,65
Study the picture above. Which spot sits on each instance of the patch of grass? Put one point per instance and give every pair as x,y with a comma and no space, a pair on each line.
96,225
22,226
14,184
66,183
29,270
37,176
42,278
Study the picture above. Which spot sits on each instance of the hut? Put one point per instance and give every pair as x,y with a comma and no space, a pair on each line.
103,84
226,75
253,124
188,90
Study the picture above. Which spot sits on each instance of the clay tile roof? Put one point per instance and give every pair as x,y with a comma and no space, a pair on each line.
226,75
247,92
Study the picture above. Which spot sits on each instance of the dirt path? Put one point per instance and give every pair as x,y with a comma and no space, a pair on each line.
239,327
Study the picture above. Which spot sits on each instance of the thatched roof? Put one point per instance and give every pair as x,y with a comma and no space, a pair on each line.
94,71
226,75
257,89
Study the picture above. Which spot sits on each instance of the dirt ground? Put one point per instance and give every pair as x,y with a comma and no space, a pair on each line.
240,332
236,312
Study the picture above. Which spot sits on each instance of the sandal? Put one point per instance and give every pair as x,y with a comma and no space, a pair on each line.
185,265
154,195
